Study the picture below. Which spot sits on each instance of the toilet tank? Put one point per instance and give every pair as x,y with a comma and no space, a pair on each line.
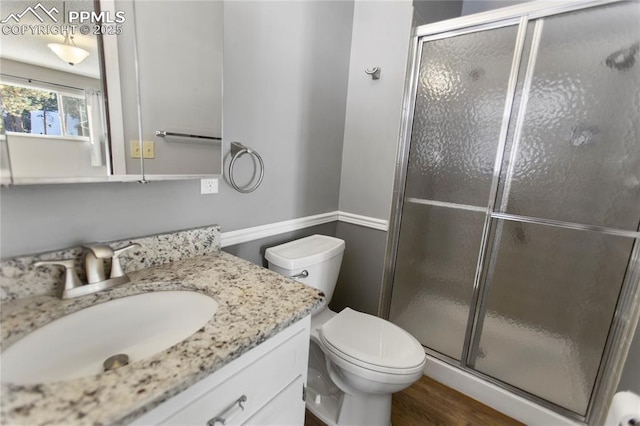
319,255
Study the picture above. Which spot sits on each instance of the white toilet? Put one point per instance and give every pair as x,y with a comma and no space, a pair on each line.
356,360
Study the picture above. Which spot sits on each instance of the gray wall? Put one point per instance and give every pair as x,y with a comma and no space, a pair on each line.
476,6
285,94
253,251
362,267
381,32
429,11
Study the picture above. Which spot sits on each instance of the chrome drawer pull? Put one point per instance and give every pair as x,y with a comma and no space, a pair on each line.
224,417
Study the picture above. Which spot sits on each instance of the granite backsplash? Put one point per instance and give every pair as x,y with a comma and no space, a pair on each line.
19,278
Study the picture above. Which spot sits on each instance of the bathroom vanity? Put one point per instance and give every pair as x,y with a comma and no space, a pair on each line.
246,365
265,386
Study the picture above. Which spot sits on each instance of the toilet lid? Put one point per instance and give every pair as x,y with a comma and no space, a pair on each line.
372,340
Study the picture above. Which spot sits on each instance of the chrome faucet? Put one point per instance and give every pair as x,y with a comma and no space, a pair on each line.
94,263
94,268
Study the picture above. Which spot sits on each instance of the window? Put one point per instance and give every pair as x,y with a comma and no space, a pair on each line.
42,111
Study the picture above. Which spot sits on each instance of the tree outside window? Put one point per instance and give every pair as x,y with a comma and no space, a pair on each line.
44,112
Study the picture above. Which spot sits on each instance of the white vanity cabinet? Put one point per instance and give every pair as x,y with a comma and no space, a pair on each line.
265,386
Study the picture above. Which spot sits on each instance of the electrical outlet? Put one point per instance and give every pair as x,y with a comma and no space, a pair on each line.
149,149
208,186
135,149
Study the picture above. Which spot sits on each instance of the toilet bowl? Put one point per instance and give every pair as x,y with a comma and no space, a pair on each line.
356,360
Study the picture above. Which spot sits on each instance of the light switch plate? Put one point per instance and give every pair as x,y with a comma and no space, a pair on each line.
208,186
135,149
149,149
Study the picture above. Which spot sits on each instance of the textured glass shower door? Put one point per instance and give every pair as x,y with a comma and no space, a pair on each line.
568,210
514,270
462,86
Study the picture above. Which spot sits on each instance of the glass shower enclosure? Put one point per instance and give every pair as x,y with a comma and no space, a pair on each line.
514,245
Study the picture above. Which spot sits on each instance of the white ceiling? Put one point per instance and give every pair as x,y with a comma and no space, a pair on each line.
32,49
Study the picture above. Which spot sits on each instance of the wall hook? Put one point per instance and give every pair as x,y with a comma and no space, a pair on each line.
374,73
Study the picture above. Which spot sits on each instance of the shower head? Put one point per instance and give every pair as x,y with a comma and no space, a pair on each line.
623,59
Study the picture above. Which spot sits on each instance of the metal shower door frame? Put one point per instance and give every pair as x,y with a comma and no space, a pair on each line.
627,311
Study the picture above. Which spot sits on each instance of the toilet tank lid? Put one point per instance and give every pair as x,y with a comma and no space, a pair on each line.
305,251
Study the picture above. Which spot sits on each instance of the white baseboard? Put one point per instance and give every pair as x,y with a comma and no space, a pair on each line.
240,236
489,394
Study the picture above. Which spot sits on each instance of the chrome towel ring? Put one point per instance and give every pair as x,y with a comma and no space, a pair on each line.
237,151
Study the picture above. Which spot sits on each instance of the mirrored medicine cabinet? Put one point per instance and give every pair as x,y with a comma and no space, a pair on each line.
99,91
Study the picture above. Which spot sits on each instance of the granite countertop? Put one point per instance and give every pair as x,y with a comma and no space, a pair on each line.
254,304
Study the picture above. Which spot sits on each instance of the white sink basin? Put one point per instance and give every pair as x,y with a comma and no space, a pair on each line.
77,345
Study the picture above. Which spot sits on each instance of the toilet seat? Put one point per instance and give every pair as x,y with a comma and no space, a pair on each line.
372,343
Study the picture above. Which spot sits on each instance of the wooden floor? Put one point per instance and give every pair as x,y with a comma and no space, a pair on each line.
430,403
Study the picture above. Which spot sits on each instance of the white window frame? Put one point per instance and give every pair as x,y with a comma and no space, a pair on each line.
60,91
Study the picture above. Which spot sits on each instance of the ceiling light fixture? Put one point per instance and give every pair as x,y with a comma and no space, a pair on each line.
68,51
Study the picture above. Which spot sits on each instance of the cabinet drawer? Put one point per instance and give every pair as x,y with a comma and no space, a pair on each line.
240,396
280,411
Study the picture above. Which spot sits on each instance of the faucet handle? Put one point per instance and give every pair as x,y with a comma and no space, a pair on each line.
116,268
71,279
